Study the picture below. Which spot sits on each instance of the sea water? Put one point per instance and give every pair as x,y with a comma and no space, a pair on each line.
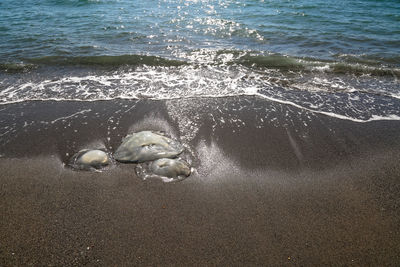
337,58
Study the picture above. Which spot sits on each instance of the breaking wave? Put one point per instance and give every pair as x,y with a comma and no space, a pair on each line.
347,90
356,65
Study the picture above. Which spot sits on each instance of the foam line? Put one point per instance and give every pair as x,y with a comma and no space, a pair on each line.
71,116
331,114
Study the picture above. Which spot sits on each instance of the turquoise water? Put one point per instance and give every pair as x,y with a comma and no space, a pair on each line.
309,53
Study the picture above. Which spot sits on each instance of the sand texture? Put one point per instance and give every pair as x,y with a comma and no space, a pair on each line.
271,185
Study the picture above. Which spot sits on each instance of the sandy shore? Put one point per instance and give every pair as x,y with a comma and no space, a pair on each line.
273,185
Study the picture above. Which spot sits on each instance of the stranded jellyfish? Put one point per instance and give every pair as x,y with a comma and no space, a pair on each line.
146,146
87,159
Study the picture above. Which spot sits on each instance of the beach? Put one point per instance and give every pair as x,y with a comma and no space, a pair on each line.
286,115
304,189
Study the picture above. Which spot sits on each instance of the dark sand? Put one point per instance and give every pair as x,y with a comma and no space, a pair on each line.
273,185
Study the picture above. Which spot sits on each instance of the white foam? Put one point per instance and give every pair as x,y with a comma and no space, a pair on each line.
331,114
71,116
315,94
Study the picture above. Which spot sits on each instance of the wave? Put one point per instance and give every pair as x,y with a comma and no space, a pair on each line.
358,69
360,99
75,3
282,62
256,60
16,67
272,61
131,60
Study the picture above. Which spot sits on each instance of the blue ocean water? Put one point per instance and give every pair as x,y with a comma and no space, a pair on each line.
309,53
359,30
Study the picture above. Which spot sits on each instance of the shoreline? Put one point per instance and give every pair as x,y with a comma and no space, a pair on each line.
273,185
62,128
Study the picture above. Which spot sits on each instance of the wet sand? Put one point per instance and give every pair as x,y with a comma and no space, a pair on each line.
273,185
